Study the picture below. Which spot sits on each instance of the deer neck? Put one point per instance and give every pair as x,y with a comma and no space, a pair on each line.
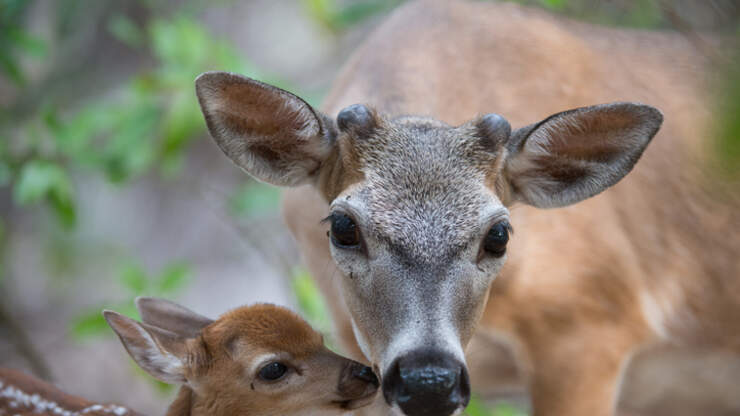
183,403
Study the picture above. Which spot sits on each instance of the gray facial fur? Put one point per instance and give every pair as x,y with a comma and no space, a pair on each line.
422,218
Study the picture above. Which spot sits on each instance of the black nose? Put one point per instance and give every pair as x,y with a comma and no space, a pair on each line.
365,374
427,382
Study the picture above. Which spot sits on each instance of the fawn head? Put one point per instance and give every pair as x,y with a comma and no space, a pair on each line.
256,360
418,209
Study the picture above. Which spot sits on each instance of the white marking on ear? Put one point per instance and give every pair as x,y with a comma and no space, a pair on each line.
169,368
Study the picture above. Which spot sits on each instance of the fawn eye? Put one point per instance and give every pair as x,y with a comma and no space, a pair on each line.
344,231
496,239
273,371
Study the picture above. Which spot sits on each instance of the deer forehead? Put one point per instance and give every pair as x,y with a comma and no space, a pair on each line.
425,185
255,330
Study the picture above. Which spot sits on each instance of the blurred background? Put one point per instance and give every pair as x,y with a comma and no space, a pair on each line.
110,188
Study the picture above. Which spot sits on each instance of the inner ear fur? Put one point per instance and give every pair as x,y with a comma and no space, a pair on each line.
171,316
270,133
576,154
163,354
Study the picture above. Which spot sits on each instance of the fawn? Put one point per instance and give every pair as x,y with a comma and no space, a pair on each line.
420,194
254,360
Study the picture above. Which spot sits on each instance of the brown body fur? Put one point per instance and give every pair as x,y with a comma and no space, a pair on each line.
654,257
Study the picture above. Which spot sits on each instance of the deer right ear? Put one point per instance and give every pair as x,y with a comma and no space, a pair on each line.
160,353
270,133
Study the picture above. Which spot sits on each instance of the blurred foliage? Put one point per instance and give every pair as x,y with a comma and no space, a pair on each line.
310,301
254,199
728,117
476,407
630,13
146,125
15,41
134,281
337,15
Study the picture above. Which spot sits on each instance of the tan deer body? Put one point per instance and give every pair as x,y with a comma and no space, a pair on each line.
583,286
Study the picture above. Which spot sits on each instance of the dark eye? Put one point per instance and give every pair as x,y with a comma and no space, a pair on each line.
344,232
273,371
496,239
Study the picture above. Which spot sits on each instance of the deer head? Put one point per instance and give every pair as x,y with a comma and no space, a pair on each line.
418,209
256,360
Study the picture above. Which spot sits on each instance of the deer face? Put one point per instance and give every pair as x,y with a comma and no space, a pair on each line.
418,222
261,360
284,371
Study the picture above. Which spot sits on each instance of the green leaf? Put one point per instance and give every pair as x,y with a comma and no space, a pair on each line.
130,150
39,180
554,4
28,43
89,324
727,140
310,301
64,208
126,31
476,407
174,277
134,279
11,69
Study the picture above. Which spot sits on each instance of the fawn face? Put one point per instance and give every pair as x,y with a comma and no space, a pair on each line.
418,209
261,360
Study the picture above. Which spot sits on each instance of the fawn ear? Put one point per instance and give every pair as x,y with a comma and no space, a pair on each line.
175,318
270,133
576,154
159,352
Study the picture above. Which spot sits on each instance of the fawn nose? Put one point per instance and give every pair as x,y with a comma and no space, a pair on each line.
427,383
365,373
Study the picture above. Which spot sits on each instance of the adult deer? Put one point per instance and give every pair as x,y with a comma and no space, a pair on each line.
420,211
256,360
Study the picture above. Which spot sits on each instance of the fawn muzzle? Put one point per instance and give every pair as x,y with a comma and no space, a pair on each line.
427,382
357,385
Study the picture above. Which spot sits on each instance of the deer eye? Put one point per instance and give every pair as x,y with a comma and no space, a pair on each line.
344,231
273,371
496,239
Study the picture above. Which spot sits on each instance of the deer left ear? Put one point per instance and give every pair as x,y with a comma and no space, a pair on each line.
576,154
159,352
270,133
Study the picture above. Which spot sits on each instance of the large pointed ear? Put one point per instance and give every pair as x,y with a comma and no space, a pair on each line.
160,353
270,133
171,316
576,154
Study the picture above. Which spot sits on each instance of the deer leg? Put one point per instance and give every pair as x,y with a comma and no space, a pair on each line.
579,374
